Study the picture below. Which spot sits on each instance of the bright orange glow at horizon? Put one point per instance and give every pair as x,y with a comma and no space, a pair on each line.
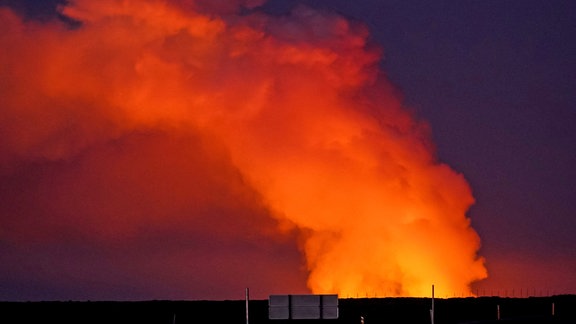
294,108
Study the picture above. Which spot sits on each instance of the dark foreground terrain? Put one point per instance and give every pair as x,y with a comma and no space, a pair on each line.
373,310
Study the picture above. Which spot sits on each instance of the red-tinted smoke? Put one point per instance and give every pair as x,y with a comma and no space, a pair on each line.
184,149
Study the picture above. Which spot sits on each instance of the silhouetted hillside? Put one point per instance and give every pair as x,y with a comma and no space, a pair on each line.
373,310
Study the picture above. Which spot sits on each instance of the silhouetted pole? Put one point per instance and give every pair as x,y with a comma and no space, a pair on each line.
498,312
432,309
247,298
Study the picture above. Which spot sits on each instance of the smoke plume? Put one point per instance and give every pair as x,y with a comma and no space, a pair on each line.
180,149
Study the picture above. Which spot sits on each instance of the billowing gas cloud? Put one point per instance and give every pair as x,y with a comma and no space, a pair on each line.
187,149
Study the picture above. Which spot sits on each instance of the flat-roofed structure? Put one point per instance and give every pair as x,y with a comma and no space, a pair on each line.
286,307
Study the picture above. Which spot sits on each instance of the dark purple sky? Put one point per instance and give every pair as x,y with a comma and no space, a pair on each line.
496,82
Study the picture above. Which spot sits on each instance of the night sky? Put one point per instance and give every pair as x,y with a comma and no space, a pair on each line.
493,80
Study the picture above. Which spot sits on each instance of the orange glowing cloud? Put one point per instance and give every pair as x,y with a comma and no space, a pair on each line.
250,133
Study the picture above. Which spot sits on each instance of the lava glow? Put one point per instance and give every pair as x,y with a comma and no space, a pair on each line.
155,113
